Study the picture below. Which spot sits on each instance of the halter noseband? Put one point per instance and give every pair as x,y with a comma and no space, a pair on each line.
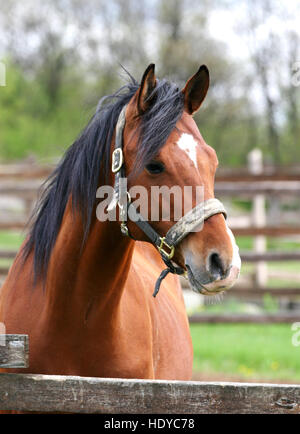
188,223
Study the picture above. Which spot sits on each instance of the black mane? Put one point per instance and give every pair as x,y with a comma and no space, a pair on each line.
89,157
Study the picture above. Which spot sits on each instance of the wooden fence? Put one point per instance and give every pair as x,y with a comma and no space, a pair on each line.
74,394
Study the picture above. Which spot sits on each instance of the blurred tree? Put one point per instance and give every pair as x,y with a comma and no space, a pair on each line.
273,47
185,43
264,54
65,54
291,94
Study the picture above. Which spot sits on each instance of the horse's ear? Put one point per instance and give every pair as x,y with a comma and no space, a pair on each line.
148,84
195,90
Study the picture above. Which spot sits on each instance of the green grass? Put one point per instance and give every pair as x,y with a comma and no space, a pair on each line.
248,351
10,240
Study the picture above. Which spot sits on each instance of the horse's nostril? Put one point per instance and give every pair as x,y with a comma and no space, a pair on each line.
215,265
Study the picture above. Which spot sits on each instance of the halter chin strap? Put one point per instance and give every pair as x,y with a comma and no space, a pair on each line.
190,222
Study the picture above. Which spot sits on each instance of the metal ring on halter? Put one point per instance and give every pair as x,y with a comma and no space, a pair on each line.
123,214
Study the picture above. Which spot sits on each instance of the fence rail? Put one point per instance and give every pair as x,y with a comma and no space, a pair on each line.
234,318
32,171
54,393
253,291
75,394
28,189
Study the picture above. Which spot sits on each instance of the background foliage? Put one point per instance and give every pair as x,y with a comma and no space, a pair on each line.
63,55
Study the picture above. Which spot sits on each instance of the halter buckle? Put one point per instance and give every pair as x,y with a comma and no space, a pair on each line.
124,229
117,160
168,255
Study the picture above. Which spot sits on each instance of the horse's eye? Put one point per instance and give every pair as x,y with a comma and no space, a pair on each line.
155,167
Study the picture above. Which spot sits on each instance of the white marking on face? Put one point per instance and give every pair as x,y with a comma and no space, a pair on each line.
236,259
234,272
189,145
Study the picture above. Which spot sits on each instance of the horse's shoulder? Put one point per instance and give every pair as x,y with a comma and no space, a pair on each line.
145,254
145,269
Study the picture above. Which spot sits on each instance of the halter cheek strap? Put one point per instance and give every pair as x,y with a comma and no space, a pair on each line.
190,222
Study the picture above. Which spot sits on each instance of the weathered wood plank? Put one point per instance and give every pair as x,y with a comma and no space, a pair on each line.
45,393
236,318
31,171
254,291
28,189
245,176
14,351
24,171
13,226
4,271
8,254
248,189
269,231
270,256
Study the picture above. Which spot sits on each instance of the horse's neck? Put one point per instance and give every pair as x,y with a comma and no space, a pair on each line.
78,275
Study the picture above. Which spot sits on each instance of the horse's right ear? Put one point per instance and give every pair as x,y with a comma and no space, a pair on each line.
148,84
195,90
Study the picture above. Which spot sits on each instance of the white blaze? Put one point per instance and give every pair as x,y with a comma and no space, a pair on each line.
189,145
234,269
236,260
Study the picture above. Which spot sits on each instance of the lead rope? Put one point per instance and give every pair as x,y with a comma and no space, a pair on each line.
171,269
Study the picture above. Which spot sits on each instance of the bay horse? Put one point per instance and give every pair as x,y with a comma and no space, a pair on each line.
82,290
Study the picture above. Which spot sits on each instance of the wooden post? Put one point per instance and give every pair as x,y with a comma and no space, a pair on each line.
2,335
28,207
255,166
13,350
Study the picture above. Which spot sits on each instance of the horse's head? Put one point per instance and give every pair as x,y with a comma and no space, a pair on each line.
210,255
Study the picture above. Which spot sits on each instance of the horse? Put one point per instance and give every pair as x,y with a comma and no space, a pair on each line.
79,288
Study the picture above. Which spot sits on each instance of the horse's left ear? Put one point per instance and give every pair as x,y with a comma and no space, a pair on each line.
148,84
195,90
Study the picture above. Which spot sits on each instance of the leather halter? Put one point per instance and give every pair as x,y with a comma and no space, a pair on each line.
188,223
